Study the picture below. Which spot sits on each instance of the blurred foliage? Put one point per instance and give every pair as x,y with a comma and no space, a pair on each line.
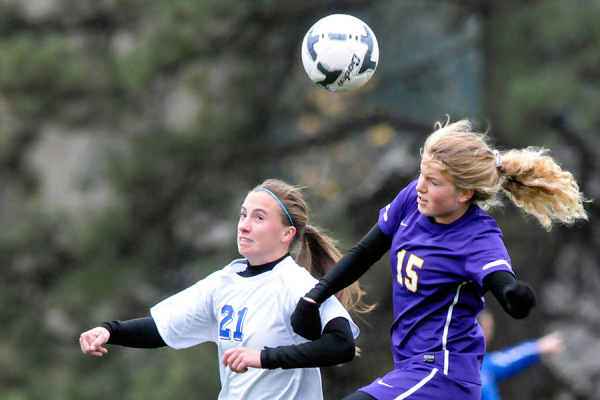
131,130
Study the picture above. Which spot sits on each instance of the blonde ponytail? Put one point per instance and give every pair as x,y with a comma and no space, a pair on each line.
536,184
530,178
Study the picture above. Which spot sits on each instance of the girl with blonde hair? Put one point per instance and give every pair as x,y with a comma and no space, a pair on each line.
446,252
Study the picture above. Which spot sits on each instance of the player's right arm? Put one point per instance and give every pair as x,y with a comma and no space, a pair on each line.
139,333
305,319
92,342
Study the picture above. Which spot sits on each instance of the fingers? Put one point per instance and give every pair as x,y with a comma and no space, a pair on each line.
551,343
233,358
241,358
92,341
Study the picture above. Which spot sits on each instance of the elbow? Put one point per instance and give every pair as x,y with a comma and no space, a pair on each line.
347,352
520,300
344,352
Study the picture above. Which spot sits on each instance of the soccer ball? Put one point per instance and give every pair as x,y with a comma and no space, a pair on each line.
340,53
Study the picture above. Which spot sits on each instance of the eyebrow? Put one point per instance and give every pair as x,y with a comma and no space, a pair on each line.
255,210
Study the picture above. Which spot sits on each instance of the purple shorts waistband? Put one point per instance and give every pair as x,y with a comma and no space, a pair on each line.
455,365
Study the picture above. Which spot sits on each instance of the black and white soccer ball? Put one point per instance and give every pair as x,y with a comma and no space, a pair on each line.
340,53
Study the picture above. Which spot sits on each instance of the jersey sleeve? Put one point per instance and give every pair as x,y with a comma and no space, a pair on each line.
488,254
391,215
186,319
331,309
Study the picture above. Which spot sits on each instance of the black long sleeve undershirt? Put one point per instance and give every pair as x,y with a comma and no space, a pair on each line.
516,297
352,265
140,333
335,346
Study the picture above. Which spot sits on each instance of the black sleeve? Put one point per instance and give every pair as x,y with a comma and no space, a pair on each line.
353,265
335,346
516,297
140,333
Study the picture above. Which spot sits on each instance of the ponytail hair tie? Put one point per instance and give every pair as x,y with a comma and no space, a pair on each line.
497,157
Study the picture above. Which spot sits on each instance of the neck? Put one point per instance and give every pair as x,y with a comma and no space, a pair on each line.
254,270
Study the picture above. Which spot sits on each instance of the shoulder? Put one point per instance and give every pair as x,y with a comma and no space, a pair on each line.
404,203
237,265
291,271
216,277
480,222
294,280
409,193
483,217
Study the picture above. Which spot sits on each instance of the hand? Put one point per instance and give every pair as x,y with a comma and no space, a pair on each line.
91,342
552,343
306,320
240,358
520,298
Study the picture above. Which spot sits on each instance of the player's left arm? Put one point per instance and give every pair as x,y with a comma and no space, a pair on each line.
516,297
335,346
240,358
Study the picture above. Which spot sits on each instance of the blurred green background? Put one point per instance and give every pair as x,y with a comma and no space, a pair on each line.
131,130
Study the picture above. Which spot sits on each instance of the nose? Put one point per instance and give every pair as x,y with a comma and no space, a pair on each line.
421,184
243,225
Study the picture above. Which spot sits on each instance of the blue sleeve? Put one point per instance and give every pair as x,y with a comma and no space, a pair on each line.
489,388
509,362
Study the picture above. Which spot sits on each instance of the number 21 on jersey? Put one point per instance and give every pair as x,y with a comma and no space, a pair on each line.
410,278
225,325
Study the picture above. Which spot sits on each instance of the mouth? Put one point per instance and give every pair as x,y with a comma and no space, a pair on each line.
421,200
244,240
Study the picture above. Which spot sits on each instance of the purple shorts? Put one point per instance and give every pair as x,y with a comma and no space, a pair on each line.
430,376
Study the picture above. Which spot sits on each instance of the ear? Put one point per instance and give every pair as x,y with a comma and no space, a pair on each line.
289,233
466,195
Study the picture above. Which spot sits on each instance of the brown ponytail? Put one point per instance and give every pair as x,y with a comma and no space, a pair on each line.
317,252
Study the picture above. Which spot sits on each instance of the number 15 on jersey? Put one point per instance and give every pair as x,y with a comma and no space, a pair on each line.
410,278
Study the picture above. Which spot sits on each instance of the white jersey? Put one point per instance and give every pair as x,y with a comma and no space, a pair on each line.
254,312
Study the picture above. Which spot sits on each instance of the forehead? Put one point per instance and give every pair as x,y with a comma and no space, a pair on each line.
428,167
260,200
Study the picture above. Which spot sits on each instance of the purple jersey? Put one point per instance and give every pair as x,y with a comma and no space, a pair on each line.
437,279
